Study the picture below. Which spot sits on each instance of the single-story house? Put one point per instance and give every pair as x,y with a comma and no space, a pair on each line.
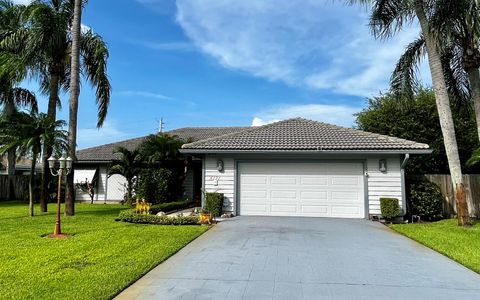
295,167
22,166
93,163
300,167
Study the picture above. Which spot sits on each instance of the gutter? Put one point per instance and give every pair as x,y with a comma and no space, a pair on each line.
404,192
213,151
405,161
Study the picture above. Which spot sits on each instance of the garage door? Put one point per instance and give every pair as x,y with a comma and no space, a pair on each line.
302,189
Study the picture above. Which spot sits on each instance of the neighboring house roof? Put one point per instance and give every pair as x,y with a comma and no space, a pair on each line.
23,164
301,135
104,153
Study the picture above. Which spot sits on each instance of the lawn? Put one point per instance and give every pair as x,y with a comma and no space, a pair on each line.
97,262
460,244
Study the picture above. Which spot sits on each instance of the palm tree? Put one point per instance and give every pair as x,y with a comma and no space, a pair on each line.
28,133
161,147
129,166
44,41
387,18
73,103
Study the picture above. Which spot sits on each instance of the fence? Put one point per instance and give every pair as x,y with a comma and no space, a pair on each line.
20,187
472,191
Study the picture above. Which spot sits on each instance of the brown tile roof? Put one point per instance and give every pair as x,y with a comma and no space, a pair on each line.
302,135
104,153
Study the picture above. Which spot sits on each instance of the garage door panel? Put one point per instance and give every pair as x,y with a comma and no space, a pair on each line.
302,189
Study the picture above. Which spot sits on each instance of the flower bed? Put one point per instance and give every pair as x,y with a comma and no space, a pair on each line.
132,217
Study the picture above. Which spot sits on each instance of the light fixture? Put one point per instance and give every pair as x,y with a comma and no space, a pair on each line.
220,165
382,165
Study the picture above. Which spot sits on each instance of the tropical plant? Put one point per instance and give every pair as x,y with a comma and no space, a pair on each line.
386,19
157,186
161,147
129,166
44,41
424,199
28,133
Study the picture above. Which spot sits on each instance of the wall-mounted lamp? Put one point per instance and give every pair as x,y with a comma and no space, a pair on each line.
220,165
382,165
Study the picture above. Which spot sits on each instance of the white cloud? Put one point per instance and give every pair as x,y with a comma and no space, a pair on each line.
333,114
317,44
145,94
92,136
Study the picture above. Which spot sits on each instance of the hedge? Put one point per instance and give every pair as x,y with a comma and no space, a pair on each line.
389,208
170,206
214,203
130,216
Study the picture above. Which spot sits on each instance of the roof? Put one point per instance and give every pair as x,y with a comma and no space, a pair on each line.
104,153
301,135
22,164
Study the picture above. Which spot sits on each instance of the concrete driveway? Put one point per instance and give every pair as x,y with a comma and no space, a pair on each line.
305,258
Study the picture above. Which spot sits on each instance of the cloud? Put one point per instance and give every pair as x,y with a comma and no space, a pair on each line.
322,45
145,94
333,114
166,46
92,136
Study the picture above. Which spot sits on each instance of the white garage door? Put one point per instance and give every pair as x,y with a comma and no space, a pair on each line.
302,189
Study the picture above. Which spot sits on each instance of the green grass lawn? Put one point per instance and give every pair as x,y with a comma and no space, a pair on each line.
460,244
97,262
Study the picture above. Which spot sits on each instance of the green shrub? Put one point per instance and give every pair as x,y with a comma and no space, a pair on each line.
130,216
156,185
425,200
389,208
214,203
170,206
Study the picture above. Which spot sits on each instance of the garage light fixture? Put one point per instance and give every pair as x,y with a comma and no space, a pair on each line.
382,165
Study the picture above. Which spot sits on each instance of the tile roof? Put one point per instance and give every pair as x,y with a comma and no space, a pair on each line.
104,153
302,135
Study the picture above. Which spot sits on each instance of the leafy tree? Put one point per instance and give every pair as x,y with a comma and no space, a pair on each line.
388,17
129,166
28,133
157,186
44,41
419,122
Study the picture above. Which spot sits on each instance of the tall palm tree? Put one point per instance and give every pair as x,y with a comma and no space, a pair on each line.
45,43
129,166
73,103
28,133
386,19
161,147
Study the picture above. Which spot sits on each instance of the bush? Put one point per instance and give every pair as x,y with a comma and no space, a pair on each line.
425,200
130,216
168,207
156,185
389,208
214,203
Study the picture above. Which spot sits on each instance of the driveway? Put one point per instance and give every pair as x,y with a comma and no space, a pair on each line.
305,258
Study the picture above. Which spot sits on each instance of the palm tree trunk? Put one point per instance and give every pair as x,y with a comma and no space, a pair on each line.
73,104
31,184
474,78
47,150
11,154
445,115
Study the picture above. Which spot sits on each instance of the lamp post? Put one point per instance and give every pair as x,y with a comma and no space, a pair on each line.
64,168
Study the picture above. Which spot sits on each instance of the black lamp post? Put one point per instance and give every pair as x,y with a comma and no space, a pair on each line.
63,168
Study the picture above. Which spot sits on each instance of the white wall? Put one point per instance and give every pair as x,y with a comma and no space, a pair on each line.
116,187
388,184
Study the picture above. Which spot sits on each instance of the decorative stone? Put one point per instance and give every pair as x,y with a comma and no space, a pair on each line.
161,213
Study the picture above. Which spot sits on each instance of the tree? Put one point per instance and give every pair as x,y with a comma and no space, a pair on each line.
129,166
44,41
161,147
73,104
387,18
28,133
418,121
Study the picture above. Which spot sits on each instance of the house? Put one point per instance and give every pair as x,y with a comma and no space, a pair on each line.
22,166
93,163
300,167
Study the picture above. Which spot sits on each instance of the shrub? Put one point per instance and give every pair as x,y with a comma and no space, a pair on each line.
425,200
156,185
168,207
214,203
130,216
389,208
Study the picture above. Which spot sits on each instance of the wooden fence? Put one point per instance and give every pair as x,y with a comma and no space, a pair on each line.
472,190
20,187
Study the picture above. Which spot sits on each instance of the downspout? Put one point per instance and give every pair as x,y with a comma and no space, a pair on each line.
404,192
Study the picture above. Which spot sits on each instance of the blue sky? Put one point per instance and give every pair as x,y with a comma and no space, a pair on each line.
229,63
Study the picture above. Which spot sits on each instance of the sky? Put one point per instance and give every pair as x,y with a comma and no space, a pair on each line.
232,63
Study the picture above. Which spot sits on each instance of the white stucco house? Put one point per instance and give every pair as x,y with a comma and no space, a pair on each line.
300,167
